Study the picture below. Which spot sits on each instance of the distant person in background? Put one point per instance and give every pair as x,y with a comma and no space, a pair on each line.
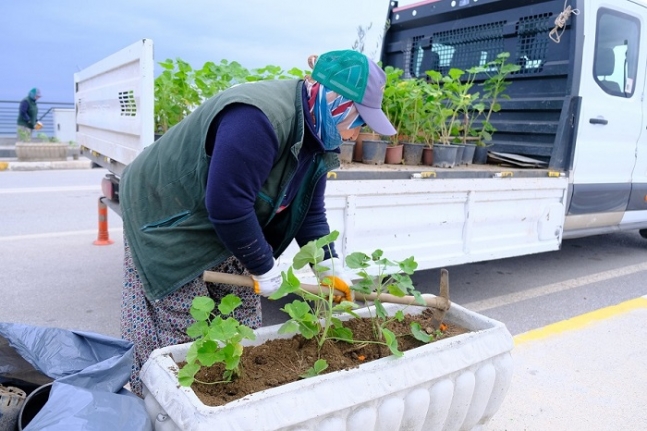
28,115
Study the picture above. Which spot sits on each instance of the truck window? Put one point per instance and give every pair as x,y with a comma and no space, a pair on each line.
616,52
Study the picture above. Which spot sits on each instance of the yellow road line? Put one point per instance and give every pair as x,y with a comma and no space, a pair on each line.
580,321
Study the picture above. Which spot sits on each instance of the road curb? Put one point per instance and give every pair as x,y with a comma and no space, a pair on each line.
49,165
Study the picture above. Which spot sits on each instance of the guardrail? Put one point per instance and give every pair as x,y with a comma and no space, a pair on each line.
9,116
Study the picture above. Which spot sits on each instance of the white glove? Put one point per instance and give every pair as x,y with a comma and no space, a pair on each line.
339,278
268,283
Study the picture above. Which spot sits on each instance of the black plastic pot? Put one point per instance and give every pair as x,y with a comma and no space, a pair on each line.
412,154
374,152
468,154
33,404
480,155
445,156
346,151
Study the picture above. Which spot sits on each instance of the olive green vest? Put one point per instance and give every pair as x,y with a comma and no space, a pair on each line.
162,192
33,114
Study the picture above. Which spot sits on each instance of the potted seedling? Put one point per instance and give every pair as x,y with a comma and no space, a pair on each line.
457,381
365,134
494,86
395,102
413,122
445,115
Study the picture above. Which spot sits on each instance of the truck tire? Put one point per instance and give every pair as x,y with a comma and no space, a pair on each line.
643,233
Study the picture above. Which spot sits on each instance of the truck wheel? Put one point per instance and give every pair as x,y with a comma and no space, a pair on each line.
643,233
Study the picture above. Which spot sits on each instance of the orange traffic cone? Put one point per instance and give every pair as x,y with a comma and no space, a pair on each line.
103,237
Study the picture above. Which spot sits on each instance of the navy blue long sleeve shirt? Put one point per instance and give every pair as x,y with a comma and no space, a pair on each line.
243,153
23,110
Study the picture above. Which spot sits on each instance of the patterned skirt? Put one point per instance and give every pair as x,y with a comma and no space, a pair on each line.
152,325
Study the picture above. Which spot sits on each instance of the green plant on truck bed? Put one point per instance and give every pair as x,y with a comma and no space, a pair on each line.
180,88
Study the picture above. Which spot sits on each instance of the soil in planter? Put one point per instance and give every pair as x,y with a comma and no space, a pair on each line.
282,361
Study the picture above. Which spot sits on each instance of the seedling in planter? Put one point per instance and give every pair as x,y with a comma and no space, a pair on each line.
217,340
386,281
318,316
494,86
315,318
319,367
422,335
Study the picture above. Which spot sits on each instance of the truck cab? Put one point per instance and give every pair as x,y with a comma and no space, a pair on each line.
577,103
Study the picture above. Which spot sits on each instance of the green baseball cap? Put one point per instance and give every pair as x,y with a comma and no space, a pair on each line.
358,78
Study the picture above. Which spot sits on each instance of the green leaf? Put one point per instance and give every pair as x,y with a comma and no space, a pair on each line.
308,254
192,353
198,329
419,334
365,286
225,330
392,342
246,332
232,354
396,290
404,282
319,366
290,284
419,299
296,309
327,239
455,74
228,304
201,307
309,329
380,310
344,307
357,260
342,333
208,353
187,373
289,327
376,255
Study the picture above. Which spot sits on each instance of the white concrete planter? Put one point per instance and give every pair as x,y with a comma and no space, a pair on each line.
453,384
41,151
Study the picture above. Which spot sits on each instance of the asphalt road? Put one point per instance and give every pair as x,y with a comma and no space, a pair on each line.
53,275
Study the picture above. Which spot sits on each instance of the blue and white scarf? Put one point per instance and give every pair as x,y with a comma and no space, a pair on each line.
330,110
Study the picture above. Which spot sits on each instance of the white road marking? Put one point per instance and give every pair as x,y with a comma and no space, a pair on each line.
56,234
50,189
536,292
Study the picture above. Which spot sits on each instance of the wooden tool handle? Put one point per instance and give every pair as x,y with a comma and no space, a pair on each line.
248,281
245,280
433,302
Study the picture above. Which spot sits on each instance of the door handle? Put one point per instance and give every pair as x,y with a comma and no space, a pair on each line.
598,121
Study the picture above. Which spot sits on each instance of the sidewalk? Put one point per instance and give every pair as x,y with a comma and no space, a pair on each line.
588,373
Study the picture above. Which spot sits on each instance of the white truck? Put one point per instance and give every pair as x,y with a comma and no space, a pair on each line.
577,112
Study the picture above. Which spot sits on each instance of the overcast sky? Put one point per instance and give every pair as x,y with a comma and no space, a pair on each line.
43,43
